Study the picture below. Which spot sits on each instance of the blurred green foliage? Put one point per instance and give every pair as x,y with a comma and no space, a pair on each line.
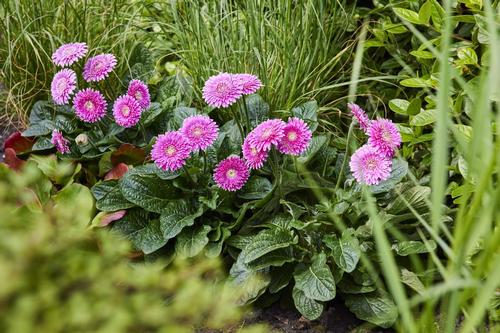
59,276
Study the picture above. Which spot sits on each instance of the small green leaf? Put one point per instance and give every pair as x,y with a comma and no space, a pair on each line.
424,14
408,15
416,82
413,247
399,105
425,117
316,280
256,188
411,280
192,241
308,307
373,307
346,251
467,56
423,54
265,242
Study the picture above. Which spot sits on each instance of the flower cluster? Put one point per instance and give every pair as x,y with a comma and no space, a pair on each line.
172,149
372,163
290,138
61,143
225,89
89,104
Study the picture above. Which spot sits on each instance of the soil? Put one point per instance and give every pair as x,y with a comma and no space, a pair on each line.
335,319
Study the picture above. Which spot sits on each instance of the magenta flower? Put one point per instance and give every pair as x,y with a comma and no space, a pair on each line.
63,85
201,131
222,90
255,158
360,115
231,174
90,105
98,67
127,111
67,54
249,83
61,143
170,151
384,136
296,138
267,133
139,90
369,167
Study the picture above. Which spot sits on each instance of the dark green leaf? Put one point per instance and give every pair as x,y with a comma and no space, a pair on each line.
265,242
256,188
346,251
373,307
316,280
108,196
413,247
308,307
309,113
191,241
177,215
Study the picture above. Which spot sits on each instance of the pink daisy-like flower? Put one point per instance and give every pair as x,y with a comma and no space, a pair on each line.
139,90
296,138
360,115
384,136
98,67
127,111
201,131
255,158
267,133
249,83
90,105
67,54
369,167
222,90
170,151
61,143
63,85
231,174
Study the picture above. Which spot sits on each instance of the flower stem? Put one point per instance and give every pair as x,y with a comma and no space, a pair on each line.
249,126
189,175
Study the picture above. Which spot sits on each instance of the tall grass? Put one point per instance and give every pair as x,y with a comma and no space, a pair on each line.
295,47
463,295
30,30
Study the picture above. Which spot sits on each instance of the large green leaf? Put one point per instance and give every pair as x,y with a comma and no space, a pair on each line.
265,242
258,109
144,188
275,258
346,251
373,307
309,113
405,248
256,188
416,197
177,215
308,307
108,196
251,283
425,117
191,241
316,280
398,172
145,234
314,146
411,279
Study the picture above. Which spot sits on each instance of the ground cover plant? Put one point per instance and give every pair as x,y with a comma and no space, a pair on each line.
381,194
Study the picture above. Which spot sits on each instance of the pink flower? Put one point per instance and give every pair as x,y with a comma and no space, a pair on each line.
369,167
266,134
90,105
127,111
296,137
222,90
360,115
249,83
63,85
139,90
201,131
231,174
384,136
67,54
170,151
61,143
98,67
255,158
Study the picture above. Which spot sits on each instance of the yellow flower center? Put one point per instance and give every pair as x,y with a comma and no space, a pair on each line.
292,136
89,106
386,135
231,173
170,150
197,132
126,111
253,151
267,133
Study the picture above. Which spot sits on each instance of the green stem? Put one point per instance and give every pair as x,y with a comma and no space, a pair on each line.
249,126
189,175
341,173
239,125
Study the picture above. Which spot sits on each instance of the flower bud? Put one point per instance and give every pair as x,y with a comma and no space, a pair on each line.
82,139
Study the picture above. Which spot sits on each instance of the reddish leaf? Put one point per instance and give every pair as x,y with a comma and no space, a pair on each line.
11,159
19,143
117,172
128,154
103,219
